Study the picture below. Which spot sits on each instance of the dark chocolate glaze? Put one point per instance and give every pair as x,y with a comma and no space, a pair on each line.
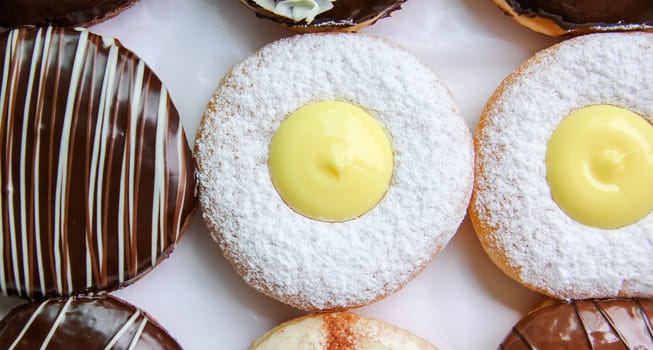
57,12
580,325
571,14
82,323
345,13
96,177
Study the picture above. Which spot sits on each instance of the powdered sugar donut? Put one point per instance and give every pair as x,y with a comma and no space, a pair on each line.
339,330
317,265
522,228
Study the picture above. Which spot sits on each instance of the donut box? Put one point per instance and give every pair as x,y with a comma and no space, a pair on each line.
197,295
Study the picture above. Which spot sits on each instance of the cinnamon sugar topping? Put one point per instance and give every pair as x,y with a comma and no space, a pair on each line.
340,333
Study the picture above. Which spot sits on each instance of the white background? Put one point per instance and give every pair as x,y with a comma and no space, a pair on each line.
461,301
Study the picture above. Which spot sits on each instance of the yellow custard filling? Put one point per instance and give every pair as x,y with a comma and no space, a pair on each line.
331,161
599,164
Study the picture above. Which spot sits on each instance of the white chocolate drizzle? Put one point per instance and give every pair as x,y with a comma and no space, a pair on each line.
56,323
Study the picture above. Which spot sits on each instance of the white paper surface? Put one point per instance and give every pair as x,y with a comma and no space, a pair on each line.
461,301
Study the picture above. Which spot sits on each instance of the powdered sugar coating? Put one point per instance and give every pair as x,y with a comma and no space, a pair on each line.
316,265
521,224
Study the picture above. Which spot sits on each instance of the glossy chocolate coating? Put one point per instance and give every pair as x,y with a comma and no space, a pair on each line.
345,13
591,325
82,323
96,175
57,12
570,14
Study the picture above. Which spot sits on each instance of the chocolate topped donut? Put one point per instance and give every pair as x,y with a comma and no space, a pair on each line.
580,16
97,178
57,12
344,15
82,323
595,325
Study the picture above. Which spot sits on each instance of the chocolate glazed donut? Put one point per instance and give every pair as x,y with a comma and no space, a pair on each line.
575,13
96,175
346,15
56,12
591,325
82,323
576,17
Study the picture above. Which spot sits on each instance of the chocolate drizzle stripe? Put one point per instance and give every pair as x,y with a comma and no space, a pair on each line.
28,324
136,104
523,339
56,323
121,220
45,54
612,324
645,318
23,154
105,108
108,184
62,173
180,192
159,176
585,328
122,330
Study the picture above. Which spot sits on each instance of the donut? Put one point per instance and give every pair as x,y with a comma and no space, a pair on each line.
15,13
588,324
580,228
97,176
314,262
576,17
339,330
82,323
324,15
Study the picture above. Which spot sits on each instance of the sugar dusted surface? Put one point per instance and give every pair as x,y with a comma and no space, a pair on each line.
552,252
317,265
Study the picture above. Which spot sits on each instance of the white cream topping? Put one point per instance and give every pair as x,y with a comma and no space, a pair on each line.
297,10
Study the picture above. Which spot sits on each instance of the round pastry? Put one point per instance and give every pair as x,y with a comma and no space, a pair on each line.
324,15
330,183
82,323
564,171
15,13
97,176
574,17
340,330
591,325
